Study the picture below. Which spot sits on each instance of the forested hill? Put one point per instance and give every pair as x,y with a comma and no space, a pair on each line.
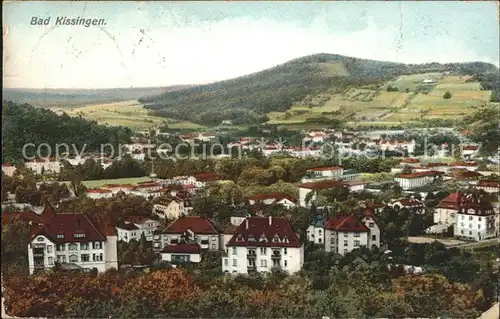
248,98
22,124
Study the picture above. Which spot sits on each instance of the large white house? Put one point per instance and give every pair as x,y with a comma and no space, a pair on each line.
134,226
71,239
260,244
98,193
417,179
274,198
344,233
44,165
476,219
445,213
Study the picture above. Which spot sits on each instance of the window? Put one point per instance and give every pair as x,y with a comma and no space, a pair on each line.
213,238
462,232
49,249
479,226
61,247
98,257
345,251
51,261
374,237
226,262
251,238
346,234
345,243
371,225
73,258
263,263
61,259
73,247
479,218
84,246
462,217
470,233
285,251
319,240
470,225
470,217
332,241
357,234
285,263
263,250
79,235
85,257
97,245
276,239
60,236
319,231
234,251
235,262
356,243
214,247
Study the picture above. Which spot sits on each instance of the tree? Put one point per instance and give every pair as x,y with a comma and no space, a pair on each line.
447,95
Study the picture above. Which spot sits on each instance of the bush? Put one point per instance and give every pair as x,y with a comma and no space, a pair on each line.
447,95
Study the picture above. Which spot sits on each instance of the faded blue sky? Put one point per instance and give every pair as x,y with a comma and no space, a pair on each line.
167,43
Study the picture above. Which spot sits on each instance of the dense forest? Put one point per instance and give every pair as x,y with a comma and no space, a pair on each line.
248,98
23,124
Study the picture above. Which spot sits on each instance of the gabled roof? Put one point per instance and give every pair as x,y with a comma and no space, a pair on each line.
410,202
277,196
127,226
346,223
488,184
197,224
452,201
207,177
73,227
26,216
265,232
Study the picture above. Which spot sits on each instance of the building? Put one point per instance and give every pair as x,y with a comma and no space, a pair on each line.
370,221
344,233
8,169
98,193
350,175
316,228
470,151
445,213
260,244
330,172
489,186
188,228
412,204
476,219
135,226
470,165
181,253
274,198
314,187
418,179
44,165
316,137
71,239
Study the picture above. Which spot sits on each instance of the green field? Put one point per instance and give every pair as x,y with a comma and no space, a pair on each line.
128,113
101,182
363,107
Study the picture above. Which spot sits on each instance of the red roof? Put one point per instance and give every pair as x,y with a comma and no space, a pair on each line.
470,148
452,201
410,160
488,184
73,227
265,232
207,177
464,164
419,174
230,229
435,164
7,165
199,225
374,205
138,219
328,168
466,174
26,216
277,196
349,223
410,202
182,248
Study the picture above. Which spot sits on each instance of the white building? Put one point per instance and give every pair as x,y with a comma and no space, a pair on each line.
134,226
412,204
72,239
316,137
316,228
8,169
172,208
260,244
330,172
418,179
182,253
274,198
470,151
44,165
98,193
344,233
476,219
187,229
116,188
489,186
445,213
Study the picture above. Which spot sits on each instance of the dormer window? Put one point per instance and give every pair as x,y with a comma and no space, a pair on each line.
60,236
276,239
285,239
240,237
263,239
251,238
79,235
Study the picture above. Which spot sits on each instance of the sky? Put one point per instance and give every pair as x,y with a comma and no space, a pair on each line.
170,43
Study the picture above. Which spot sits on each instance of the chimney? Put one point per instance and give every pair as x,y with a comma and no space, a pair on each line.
77,222
270,220
246,223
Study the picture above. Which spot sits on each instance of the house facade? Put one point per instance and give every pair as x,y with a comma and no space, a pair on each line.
182,253
8,169
274,198
260,244
417,179
71,238
476,219
135,226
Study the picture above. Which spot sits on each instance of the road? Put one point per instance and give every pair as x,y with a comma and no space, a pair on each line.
493,313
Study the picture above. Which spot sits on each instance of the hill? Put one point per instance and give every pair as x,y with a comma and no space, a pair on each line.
249,98
23,124
57,98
